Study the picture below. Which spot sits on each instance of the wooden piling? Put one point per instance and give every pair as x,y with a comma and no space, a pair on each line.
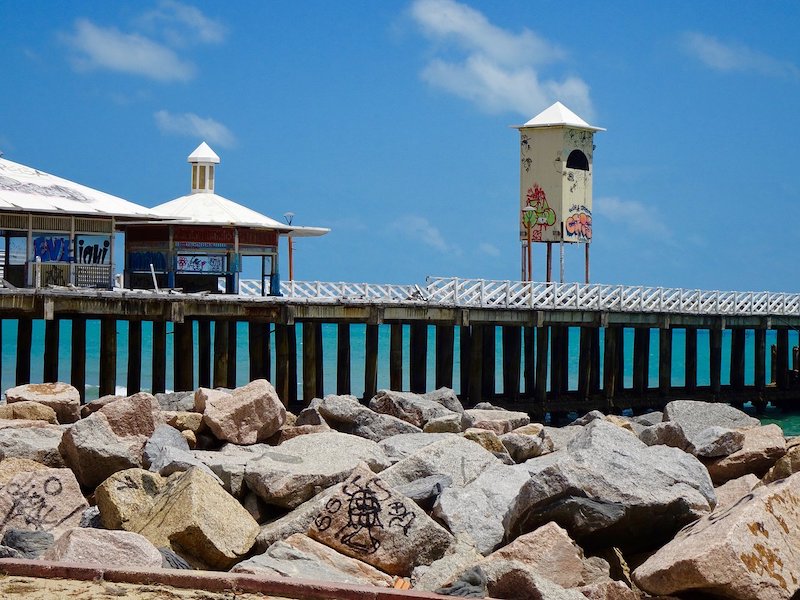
309,362
594,380
77,375
221,354
782,359
52,330
183,362
419,356
108,356
529,369
204,353
24,341
488,381
258,350
159,358
564,360
512,348
134,375
291,340
475,383
737,359
232,347
610,364
641,360
664,361
445,338
396,356
542,345
585,363
620,359
371,366
715,359
282,361
760,360
465,361
320,360
343,386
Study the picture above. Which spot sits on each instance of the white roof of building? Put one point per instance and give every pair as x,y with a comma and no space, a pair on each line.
203,153
24,189
559,115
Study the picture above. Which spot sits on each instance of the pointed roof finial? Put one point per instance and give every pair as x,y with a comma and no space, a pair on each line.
559,115
203,153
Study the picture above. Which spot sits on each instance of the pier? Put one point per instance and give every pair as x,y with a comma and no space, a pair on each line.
532,320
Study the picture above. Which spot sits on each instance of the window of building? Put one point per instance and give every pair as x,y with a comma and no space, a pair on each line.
577,160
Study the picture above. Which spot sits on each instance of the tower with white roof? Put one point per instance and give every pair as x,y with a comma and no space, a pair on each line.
203,160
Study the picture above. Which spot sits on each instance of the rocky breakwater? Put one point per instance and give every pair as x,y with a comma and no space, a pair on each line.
407,490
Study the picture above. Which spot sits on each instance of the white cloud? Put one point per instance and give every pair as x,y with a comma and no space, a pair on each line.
191,125
634,216
108,48
181,23
488,249
721,56
420,229
499,69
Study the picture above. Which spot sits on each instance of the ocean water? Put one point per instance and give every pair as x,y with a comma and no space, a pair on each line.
790,423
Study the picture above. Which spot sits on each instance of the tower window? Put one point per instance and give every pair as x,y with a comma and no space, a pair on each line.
202,182
577,160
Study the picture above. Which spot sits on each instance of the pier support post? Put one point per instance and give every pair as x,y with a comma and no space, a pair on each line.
343,386
542,345
221,354
782,360
309,362
77,374
282,362
488,381
396,357
159,358
475,384
594,380
259,350
664,361
371,366
108,356
641,361
611,365
512,347
529,369
320,366
556,341
715,358
291,340
737,361
760,360
52,329
690,360
464,362
24,340
134,376
204,353
232,347
445,338
419,356
585,366
183,356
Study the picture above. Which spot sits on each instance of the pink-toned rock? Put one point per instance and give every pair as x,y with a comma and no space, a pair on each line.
64,399
97,404
26,409
286,433
608,590
41,500
788,464
202,396
750,550
248,415
11,467
762,447
101,547
139,414
732,491
499,421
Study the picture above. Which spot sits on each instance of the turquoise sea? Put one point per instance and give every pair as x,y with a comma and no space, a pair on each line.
790,423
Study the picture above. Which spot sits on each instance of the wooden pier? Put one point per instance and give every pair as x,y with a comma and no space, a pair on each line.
534,340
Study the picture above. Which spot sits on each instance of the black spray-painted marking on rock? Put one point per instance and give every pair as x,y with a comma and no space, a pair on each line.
34,506
364,506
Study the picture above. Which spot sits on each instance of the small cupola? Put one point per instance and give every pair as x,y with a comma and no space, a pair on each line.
203,160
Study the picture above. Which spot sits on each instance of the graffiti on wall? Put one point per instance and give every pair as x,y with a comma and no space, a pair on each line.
52,248
579,223
541,217
93,250
141,261
201,264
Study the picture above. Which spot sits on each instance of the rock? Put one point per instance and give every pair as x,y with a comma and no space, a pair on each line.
135,415
368,520
486,438
786,465
110,548
648,419
302,467
257,508
301,557
447,424
346,414
190,437
25,409
97,404
461,460
35,443
608,488
90,517
761,449
30,544
470,584
409,407
666,433
176,401
64,399
185,421
731,491
608,590
487,406
247,415
499,421
749,550
170,560
425,491
588,418
43,500
296,521
126,496
230,466
202,396
551,553
459,556
561,436
398,447
309,416
716,441
447,398
285,433
196,518
6,552
11,467
513,579
694,416
624,423
522,446
164,436
475,510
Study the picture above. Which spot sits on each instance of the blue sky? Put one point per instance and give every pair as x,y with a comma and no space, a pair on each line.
389,123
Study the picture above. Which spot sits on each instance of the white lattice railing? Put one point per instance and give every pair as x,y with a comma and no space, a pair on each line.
451,291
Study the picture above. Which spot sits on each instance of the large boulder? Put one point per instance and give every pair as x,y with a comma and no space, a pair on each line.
447,398
64,399
11,467
34,443
167,452
30,544
301,557
524,446
26,409
368,520
694,416
504,578
348,415
716,441
249,414
788,464
499,421
607,488
761,449
300,468
398,447
749,550
126,496
108,548
41,500
410,407
732,491
665,433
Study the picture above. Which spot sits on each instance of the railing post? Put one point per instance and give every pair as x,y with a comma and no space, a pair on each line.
508,291
482,291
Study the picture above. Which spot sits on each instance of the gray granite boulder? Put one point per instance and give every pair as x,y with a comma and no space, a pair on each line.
176,401
398,447
695,416
409,407
522,446
666,433
447,398
30,544
348,415
167,452
716,441
34,443
499,421
451,423
588,418
607,488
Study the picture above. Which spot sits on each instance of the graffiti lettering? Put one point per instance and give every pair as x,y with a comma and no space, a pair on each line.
31,505
93,254
200,264
52,249
541,217
579,225
141,261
